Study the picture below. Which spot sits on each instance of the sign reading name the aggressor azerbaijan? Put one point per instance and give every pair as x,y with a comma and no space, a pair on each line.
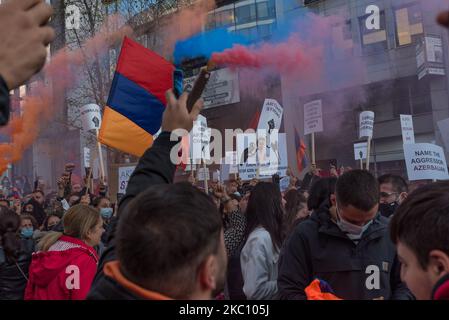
425,161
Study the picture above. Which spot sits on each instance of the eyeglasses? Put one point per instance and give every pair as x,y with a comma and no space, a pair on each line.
387,194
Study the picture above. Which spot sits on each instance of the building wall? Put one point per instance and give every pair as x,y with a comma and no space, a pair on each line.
391,84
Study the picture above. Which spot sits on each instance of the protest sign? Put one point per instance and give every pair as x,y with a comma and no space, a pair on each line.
271,116
408,133
425,161
313,117
91,117
366,124
123,177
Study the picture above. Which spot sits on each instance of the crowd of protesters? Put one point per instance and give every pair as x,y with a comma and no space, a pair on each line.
240,240
358,237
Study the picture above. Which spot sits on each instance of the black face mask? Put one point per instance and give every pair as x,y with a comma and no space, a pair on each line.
388,209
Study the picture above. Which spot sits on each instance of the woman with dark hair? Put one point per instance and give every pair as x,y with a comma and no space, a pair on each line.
103,204
320,193
15,256
295,209
264,238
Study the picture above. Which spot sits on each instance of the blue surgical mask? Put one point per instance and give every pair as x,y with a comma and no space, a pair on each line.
106,213
26,232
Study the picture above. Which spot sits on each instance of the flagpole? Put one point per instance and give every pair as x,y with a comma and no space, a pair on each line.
100,154
313,148
206,187
368,153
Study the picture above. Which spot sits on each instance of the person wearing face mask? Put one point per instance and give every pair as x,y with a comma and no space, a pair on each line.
27,226
350,250
393,191
103,204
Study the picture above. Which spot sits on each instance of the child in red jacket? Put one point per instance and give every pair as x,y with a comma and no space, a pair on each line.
66,265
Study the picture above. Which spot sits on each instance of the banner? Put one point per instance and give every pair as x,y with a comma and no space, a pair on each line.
313,117
366,124
221,89
123,177
360,150
408,133
430,56
425,161
91,117
271,116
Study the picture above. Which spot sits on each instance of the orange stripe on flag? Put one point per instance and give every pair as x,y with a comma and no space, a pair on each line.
120,133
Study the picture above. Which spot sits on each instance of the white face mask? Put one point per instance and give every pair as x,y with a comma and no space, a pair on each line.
353,231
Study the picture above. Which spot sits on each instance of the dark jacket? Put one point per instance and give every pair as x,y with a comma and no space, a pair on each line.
4,102
38,212
309,180
13,276
317,248
155,167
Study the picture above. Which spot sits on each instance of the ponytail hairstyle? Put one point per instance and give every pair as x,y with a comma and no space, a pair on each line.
9,237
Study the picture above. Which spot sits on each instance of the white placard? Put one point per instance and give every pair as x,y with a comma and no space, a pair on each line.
216,175
425,161
86,157
271,116
360,150
247,149
313,117
91,117
65,204
408,133
200,139
443,125
284,183
202,174
123,177
366,124
221,89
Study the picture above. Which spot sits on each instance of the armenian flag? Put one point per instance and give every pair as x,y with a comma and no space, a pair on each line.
136,102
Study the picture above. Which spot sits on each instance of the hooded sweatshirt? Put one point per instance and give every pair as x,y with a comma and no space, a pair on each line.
64,272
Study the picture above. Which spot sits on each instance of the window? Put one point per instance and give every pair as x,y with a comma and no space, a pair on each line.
245,14
373,40
411,96
210,21
249,33
342,38
265,9
420,97
409,26
224,18
265,30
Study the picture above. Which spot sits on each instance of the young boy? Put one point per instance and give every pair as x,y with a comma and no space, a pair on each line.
420,230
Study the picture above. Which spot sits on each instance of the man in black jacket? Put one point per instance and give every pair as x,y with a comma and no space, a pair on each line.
352,253
24,36
168,241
